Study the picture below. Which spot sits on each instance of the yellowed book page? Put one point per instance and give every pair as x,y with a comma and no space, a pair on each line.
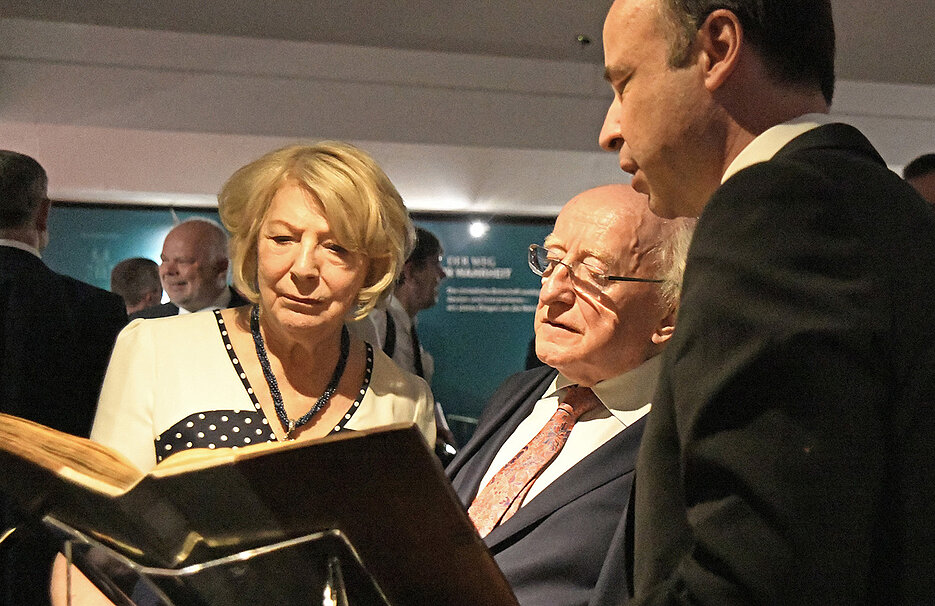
77,459
202,458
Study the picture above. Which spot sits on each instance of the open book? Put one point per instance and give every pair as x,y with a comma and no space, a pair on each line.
382,488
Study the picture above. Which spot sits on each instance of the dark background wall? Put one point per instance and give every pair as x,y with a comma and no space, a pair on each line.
478,332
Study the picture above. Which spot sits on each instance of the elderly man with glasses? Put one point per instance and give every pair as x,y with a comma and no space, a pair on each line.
547,475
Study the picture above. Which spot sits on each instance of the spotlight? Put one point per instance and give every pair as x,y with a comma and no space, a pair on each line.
478,229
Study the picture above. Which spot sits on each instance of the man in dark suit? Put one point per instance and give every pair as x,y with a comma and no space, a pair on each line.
56,334
789,457
194,271
610,277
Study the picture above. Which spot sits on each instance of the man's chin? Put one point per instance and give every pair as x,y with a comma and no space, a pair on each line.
554,353
661,209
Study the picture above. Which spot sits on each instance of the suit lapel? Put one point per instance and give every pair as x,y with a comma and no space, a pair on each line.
617,457
520,396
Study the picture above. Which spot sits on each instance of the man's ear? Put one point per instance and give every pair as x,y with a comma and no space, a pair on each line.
42,215
222,264
406,273
153,297
664,329
721,40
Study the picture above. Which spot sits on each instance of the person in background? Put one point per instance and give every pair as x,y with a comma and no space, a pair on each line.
137,282
56,335
788,458
611,272
318,237
392,326
920,173
194,271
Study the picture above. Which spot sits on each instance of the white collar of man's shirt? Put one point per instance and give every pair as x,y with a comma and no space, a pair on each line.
220,303
770,141
401,317
617,393
21,246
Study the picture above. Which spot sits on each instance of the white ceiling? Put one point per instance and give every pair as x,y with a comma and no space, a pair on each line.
489,107
878,41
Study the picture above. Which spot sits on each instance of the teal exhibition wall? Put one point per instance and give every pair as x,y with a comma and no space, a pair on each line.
478,332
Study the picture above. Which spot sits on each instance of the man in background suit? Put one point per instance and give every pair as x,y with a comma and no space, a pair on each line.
564,545
392,325
789,457
56,334
194,271
137,282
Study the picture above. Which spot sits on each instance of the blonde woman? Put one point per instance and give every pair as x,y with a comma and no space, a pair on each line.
318,236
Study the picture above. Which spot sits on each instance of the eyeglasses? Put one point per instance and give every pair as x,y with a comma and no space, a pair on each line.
542,262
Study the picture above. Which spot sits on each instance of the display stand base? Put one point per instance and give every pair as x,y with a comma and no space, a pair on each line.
319,569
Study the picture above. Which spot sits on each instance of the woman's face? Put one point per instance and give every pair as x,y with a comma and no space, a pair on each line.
306,280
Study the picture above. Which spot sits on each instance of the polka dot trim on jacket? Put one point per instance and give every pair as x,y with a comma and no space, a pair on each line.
232,428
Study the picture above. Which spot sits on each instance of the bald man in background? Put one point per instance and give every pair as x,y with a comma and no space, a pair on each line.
194,271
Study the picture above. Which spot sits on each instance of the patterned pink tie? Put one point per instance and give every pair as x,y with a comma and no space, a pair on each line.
504,494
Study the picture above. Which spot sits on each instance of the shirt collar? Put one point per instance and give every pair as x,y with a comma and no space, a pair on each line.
770,141
222,302
393,303
624,393
21,246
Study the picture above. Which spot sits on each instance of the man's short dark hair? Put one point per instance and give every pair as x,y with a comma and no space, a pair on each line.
795,38
23,184
920,167
133,278
427,247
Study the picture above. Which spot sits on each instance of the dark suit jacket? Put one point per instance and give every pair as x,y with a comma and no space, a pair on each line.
790,454
164,310
56,335
565,546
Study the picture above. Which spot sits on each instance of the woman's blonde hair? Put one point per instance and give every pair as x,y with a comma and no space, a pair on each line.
365,212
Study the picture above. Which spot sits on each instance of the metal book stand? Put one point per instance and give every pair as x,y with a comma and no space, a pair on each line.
318,569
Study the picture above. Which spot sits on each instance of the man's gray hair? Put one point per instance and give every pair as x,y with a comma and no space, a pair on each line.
23,184
673,252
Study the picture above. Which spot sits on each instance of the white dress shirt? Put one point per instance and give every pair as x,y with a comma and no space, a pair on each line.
221,302
625,399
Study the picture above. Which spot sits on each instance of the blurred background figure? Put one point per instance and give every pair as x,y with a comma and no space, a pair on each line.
392,326
56,335
920,173
137,282
194,271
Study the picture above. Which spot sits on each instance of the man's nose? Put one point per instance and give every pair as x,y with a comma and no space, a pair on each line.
610,137
558,286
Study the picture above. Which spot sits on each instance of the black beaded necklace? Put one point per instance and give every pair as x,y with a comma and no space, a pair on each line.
290,425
